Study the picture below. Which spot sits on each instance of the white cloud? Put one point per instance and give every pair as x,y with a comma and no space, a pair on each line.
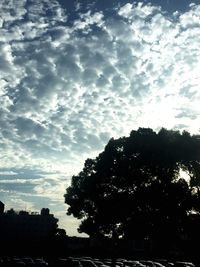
12,11
7,173
65,90
87,20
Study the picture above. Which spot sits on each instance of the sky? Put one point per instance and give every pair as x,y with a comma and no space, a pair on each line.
73,74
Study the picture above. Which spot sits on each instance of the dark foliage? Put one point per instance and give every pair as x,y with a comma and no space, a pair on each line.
134,188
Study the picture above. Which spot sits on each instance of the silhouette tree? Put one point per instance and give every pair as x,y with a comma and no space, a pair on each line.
135,187
11,211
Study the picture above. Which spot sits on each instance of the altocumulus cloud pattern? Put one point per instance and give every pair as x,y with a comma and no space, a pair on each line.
69,81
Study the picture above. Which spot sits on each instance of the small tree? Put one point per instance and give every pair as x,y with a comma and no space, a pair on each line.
134,187
11,212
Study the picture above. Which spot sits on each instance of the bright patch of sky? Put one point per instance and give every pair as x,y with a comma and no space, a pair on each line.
73,76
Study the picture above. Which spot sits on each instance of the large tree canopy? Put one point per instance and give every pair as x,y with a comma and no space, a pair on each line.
136,186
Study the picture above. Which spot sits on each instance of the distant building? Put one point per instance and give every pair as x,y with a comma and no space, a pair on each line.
24,226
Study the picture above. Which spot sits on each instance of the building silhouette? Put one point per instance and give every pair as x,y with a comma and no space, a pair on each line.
2,206
26,231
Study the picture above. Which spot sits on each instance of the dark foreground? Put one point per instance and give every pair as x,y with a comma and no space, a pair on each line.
81,261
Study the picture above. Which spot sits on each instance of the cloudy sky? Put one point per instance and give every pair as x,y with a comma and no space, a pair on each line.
73,74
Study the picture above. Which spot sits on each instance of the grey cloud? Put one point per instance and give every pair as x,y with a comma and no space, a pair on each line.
188,92
94,141
110,70
102,81
45,148
89,76
66,140
28,127
87,20
46,86
26,187
21,173
187,114
118,30
45,9
65,91
120,83
23,101
12,13
180,126
76,60
139,86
